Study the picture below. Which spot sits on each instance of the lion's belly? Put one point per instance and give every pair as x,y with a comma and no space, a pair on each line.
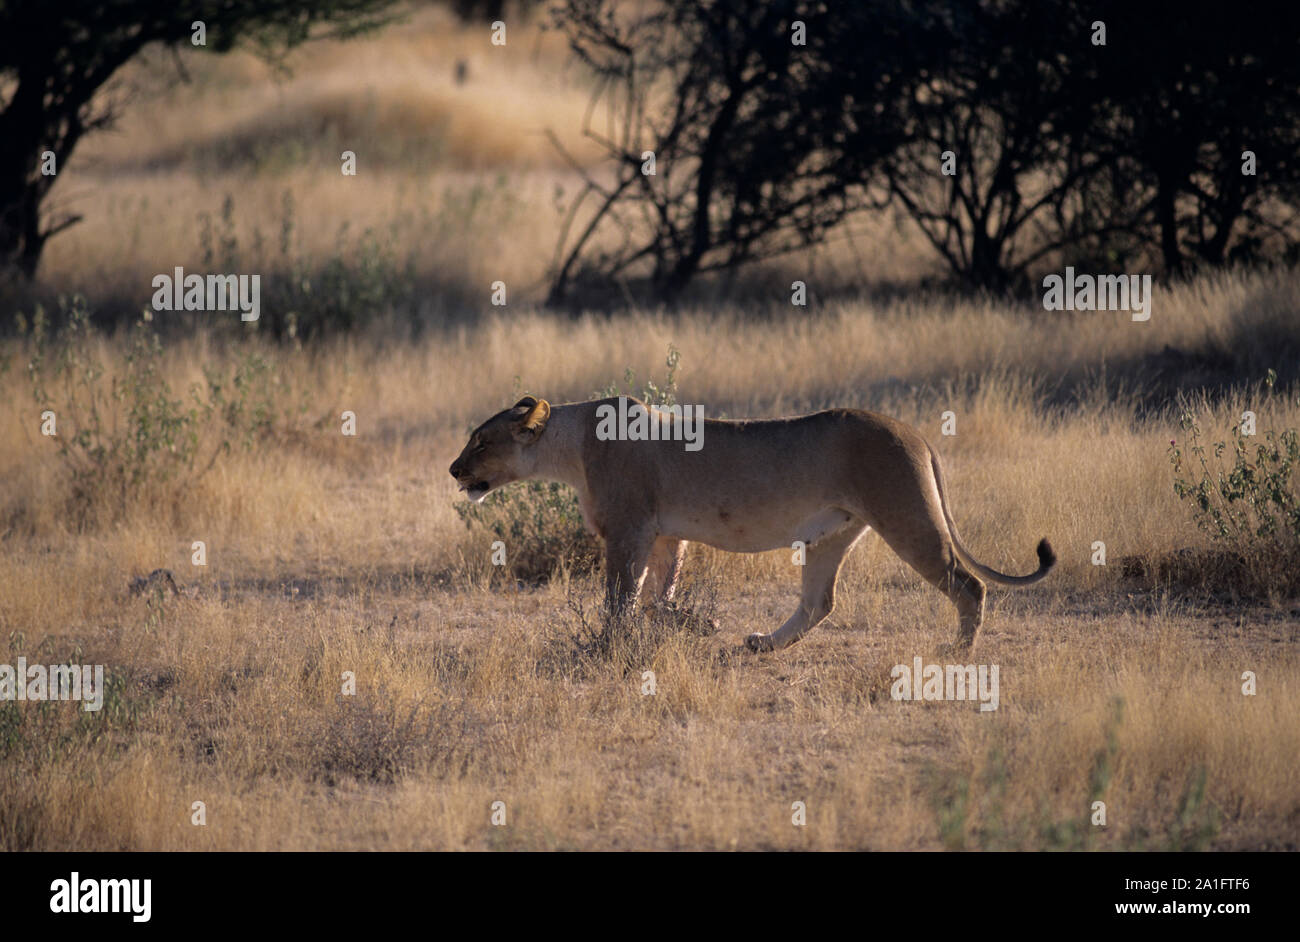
737,531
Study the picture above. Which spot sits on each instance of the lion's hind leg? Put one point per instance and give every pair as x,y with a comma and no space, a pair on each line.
931,555
820,571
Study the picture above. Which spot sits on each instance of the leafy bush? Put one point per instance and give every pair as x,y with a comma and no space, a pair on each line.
123,435
1247,497
540,521
303,297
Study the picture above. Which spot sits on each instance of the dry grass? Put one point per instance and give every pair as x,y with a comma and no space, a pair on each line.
329,554
457,180
424,146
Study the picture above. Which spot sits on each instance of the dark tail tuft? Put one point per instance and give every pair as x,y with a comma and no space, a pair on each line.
1046,556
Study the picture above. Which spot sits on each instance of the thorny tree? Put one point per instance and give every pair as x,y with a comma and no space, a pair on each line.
734,103
55,58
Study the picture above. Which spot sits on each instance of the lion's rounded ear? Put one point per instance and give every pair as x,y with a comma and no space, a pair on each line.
529,428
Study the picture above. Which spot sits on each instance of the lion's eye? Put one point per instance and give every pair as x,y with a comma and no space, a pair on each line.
478,447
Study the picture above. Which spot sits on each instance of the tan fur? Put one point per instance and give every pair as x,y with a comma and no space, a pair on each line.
824,479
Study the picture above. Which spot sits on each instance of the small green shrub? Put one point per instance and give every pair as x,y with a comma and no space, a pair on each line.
124,435
304,297
541,524
1246,496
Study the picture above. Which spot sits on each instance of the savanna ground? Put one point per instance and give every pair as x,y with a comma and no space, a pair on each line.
328,553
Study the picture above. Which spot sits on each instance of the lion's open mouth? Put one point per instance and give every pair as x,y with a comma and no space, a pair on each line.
475,490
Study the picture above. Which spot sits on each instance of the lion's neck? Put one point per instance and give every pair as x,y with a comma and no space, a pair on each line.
559,450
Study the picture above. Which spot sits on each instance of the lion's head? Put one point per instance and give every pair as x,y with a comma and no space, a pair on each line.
498,450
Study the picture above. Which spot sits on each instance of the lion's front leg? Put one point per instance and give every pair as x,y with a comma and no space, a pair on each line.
665,564
626,558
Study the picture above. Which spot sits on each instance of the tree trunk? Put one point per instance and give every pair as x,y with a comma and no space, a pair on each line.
1167,219
22,133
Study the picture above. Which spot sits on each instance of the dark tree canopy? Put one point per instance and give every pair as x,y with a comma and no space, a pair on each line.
1185,97
54,57
1103,133
761,119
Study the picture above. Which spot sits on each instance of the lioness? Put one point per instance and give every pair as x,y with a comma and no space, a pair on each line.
824,479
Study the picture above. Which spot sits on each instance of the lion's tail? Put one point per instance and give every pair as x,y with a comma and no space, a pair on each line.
1046,556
